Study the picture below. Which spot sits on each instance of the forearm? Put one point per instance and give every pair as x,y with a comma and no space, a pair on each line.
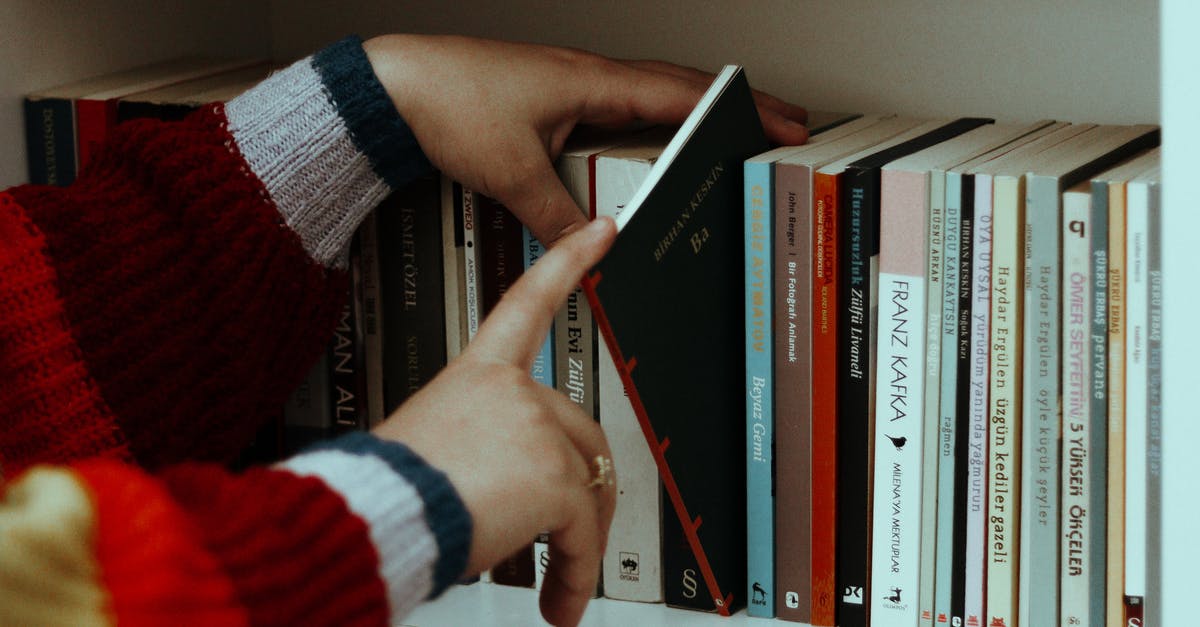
357,532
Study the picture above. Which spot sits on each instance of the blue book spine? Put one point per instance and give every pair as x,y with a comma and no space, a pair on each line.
760,415
543,362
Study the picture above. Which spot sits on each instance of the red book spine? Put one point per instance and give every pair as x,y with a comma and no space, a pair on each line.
93,119
824,399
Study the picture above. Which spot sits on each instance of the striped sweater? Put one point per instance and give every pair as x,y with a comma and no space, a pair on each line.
152,316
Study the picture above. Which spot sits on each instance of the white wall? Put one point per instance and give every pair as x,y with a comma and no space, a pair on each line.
1181,337
49,42
1079,60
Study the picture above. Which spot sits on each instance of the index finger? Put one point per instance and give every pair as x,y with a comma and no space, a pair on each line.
516,327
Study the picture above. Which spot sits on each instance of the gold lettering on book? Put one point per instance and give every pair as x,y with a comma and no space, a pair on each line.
683,222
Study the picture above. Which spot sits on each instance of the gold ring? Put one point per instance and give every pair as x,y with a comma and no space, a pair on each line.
604,472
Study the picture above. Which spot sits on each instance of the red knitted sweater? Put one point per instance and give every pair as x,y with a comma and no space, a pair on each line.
156,312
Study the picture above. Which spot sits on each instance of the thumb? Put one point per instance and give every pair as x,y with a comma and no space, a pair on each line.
541,202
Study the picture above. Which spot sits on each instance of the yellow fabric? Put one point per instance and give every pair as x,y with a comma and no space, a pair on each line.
48,575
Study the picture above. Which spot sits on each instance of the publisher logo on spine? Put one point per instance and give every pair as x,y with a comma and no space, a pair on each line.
893,600
630,567
791,599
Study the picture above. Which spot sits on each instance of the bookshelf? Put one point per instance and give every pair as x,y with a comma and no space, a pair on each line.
1115,61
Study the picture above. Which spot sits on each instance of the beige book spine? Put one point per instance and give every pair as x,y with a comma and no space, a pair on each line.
1115,589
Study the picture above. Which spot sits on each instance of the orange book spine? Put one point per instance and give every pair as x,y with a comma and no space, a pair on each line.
824,398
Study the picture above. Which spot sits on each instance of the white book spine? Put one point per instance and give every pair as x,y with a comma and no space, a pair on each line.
1136,363
1004,406
981,268
899,399
896,533
471,264
1076,389
632,563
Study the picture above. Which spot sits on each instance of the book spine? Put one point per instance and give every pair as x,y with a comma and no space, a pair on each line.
453,271
1076,531
945,427
1004,408
372,314
1097,513
760,414
899,410
307,414
794,450
501,261
1154,416
346,359
825,323
1041,439
937,241
633,558
1136,379
963,427
855,430
542,370
1115,559
974,573
470,263
412,280
93,119
575,353
50,141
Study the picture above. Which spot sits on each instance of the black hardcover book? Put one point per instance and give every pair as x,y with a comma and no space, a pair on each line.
414,316
856,382
962,426
668,298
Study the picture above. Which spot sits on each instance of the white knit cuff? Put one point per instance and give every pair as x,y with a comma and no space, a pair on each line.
394,513
290,133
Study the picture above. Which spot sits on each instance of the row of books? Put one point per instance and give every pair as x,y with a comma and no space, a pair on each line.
950,331
904,374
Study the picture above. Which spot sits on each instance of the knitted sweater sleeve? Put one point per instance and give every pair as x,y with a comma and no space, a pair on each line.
356,532
157,311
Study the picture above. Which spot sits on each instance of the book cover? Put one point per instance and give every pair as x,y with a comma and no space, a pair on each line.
679,248
1139,202
1153,610
542,370
760,329
975,494
454,285
411,268
633,557
1076,524
371,302
467,204
1003,463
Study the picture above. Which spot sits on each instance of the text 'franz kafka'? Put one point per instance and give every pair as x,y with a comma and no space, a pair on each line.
698,236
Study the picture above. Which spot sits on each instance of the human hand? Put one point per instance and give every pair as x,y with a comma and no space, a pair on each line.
520,454
494,115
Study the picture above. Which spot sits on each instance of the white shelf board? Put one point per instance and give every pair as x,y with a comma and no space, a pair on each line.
491,605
